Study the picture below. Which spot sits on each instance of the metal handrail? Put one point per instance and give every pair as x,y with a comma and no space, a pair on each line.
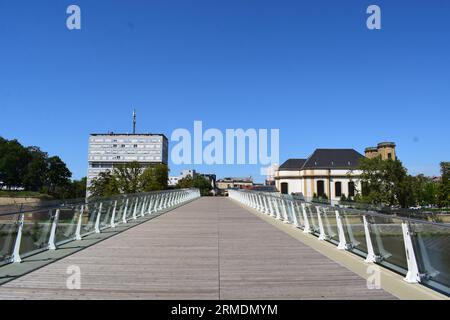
54,204
418,243
98,214
360,211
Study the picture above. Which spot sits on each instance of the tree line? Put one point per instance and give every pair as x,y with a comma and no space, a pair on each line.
130,178
31,169
387,182
133,178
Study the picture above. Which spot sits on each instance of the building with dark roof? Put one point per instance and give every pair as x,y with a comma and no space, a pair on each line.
326,172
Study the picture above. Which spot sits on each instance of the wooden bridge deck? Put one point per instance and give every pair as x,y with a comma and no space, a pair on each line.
211,248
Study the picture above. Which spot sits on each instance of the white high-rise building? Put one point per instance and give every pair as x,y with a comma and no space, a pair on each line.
109,150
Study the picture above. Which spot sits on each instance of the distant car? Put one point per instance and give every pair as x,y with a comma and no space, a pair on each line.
415,208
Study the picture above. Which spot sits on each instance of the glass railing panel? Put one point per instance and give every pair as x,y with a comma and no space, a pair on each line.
329,224
388,243
119,211
8,234
67,224
277,208
105,218
88,218
36,231
311,212
299,214
353,225
432,249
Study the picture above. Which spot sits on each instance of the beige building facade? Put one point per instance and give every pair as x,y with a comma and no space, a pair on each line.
327,172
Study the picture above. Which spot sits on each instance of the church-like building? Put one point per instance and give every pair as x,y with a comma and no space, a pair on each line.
327,172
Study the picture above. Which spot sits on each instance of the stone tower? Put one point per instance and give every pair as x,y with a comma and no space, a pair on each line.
384,149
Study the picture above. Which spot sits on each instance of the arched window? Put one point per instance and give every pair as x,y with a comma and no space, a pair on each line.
338,189
320,188
284,188
351,189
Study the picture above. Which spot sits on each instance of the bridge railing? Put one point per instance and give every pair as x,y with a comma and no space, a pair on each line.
417,249
30,230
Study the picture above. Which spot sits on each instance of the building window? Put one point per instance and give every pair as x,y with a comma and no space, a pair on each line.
351,189
338,189
284,188
389,156
320,188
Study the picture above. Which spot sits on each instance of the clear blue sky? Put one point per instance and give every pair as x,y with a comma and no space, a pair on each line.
311,69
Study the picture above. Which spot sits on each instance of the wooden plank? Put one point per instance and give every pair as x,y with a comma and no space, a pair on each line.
208,249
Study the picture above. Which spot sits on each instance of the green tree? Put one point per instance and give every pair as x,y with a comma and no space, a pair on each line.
127,176
36,172
198,182
75,189
154,178
58,174
105,184
385,182
14,159
443,189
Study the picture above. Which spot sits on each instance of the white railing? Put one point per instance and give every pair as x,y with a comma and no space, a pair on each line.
31,230
417,249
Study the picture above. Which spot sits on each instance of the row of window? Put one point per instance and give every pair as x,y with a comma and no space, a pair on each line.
139,146
320,187
126,140
125,152
124,158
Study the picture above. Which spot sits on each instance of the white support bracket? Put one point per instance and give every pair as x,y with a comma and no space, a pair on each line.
97,220
342,241
307,228
322,235
294,215
371,257
51,239
15,258
135,209
413,275
124,215
113,215
80,218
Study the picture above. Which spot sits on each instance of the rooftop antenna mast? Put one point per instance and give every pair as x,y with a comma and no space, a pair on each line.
134,121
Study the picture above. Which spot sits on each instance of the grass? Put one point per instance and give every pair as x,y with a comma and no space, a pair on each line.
24,194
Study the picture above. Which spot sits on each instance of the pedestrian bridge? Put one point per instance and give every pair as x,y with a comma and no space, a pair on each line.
176,245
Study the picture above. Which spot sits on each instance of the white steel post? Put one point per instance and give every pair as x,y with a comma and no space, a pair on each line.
15,258
124,215
307,228
266,205
277,208
97,220
135,208
80,218
144,203
271,210
285,210
51,239
113,215
413,275
294,215
342,241
370,253
322,235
